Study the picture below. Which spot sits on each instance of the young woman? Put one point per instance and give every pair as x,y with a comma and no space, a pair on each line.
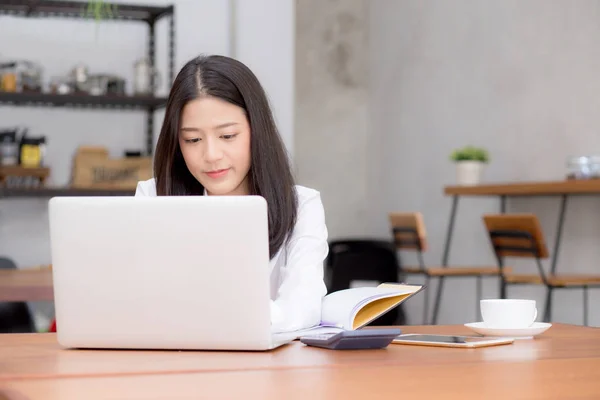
219,138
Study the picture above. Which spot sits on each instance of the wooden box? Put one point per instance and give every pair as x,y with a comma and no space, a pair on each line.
92,168
18,176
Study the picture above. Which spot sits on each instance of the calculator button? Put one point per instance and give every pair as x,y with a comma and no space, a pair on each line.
321,337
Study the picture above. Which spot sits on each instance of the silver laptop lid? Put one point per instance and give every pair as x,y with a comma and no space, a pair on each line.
161,272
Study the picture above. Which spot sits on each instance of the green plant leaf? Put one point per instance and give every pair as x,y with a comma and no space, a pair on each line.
100,9
470,153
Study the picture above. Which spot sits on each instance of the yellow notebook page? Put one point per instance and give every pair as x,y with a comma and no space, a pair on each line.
377,308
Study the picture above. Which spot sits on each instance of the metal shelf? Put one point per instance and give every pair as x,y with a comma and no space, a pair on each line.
149,14
73,9
81,100
47,192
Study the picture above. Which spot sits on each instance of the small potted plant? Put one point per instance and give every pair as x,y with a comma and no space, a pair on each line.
100,9
469,161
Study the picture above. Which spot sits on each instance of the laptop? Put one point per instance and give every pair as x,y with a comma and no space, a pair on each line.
181,272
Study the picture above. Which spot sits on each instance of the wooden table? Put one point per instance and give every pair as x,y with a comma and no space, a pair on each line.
33,284
563,189
562,363
552,379
543,188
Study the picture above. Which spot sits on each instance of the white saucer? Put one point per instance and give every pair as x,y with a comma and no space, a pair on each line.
523,333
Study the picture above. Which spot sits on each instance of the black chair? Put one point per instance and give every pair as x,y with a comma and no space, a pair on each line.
15,317
369,260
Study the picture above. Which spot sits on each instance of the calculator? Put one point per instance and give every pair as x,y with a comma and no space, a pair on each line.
353,340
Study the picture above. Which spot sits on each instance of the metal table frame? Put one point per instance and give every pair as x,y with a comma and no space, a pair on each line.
562,189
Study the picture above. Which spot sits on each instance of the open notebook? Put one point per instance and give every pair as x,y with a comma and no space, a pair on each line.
351,309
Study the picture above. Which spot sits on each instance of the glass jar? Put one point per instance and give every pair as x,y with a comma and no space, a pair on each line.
8,77
9,148
583,167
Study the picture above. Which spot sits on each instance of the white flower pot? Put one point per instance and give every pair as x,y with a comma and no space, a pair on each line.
468,173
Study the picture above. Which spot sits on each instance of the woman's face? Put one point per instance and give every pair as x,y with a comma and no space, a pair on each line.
214,137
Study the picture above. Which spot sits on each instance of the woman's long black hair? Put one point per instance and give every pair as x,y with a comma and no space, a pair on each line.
270,174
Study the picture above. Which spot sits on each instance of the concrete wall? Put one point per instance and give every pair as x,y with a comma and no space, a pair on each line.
331,109
518,77
265,39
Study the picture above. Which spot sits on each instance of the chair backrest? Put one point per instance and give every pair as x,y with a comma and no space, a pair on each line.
355,259
7,263
516,235
408,230
15,317
370,260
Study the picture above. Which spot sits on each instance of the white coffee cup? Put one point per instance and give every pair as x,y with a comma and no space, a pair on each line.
508,313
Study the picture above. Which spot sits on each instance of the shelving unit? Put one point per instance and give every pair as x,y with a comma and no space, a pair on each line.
49,8
147,14
44,192
81,100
